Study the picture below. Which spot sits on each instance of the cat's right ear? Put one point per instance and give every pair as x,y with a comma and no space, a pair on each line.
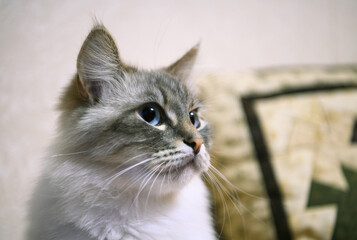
97,64
182,68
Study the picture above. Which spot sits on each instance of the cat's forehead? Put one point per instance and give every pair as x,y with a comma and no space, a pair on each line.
156,86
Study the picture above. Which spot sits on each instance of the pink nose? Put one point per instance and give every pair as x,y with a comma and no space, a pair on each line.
195,143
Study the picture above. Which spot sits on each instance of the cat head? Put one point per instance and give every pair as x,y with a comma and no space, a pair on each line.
138,124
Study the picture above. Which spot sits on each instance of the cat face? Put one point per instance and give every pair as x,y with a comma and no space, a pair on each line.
144,128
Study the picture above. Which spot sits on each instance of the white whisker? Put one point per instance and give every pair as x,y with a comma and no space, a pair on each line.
111,179
67,154
145,182
233,186
153,183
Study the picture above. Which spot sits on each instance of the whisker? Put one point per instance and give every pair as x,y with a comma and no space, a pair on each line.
163,180
225,206
67,154
142,171
111,179
153,183
142,186
232,199
215,170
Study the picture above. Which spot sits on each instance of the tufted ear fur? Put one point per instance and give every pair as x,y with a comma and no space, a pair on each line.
182,68
98,63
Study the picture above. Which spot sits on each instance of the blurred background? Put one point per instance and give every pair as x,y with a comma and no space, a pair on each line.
40,40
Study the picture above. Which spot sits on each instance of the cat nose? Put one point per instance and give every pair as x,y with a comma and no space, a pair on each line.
195,143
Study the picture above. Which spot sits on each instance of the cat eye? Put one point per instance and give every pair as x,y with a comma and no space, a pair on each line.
151,114
194,119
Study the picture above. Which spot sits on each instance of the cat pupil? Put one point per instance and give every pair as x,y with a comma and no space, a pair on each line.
194,119
151,115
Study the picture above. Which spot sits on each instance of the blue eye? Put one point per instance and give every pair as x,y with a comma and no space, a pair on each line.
151,114
194,119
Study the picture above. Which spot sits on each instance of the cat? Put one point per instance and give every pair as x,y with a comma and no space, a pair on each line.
127,161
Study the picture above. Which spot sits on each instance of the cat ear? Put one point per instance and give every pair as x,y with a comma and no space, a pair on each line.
97,64
182,68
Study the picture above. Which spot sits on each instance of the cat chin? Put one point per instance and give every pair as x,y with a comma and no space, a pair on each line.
198,165
187,172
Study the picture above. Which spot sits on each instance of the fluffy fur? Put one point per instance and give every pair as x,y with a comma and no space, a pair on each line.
112,174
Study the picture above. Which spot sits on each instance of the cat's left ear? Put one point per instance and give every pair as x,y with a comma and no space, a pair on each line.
182,68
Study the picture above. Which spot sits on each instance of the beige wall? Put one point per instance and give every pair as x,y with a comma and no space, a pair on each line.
39,41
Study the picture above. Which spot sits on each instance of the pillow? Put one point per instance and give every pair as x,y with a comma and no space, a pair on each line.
286,140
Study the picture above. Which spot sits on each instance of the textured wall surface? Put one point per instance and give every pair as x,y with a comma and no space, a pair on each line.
39,42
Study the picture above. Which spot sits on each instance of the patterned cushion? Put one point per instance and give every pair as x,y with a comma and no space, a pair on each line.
286,138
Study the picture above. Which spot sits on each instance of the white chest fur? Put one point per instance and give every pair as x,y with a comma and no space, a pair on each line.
185,217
